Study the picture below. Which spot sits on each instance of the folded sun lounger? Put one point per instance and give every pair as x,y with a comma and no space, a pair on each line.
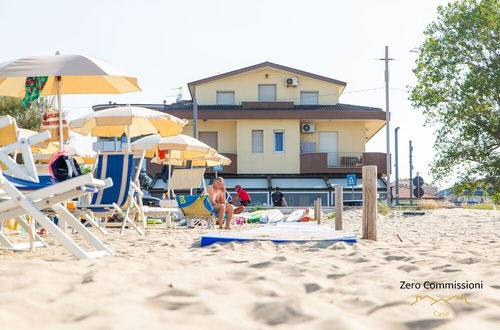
120,199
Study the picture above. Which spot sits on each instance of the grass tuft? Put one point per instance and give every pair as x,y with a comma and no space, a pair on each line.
384,208
481,206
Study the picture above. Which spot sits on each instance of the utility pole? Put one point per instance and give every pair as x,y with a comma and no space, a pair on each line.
386,59
396,163
411,174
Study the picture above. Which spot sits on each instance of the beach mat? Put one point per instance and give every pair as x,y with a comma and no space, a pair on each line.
281,233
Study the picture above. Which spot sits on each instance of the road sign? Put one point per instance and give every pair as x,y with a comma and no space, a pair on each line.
352,180
218,168
418,181
418,192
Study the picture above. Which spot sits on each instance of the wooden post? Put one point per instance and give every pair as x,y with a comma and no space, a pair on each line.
339,206
370,202
315,209
318,206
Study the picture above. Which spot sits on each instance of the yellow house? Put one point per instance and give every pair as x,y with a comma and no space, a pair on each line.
281,127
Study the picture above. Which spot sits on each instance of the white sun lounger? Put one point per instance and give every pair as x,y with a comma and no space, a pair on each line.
51,197
20,197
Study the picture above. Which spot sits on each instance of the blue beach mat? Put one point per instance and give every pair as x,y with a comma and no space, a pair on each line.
282,233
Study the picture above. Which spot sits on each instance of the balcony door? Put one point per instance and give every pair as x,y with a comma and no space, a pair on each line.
328,143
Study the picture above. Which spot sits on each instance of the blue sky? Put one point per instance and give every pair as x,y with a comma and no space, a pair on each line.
167,44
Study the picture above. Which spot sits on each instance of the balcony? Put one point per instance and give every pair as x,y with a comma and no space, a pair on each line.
341,162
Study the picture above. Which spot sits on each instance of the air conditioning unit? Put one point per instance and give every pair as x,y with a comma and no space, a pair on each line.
291,82
308,128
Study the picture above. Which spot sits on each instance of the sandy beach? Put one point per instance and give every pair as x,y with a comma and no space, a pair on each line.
165,280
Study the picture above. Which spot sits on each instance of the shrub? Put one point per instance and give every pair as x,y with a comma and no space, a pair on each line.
481,206
429,205
384,208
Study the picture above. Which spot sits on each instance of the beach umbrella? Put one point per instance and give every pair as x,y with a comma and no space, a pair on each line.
181,146
65,74
128,120
216,160
45,154
26,133
180,149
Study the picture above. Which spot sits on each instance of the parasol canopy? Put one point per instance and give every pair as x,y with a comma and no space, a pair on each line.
132,121
181,147
79,75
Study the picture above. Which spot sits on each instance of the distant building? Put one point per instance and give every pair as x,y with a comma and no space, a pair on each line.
404,195
281,127
480,195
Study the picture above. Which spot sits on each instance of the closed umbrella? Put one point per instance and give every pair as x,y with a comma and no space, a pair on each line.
67,74
128,120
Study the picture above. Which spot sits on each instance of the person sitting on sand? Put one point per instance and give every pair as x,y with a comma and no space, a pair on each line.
242,198
217,196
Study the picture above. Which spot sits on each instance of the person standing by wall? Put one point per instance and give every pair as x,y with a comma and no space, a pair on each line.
278,198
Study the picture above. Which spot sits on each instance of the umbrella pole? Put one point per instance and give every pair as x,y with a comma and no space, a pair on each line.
169,170
59,107
129,147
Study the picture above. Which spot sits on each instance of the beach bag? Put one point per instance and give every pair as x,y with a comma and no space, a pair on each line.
64,167
51,123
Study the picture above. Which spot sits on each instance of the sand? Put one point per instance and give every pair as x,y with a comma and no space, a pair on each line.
166,281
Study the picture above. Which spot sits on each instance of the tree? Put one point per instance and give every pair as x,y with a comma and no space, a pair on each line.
458,90
30,118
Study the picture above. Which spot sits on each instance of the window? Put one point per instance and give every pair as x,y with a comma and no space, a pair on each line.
209,138
279,141
309,98
257,141
225,97
267,93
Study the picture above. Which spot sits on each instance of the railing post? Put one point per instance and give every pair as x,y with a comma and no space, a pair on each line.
339,206
369,215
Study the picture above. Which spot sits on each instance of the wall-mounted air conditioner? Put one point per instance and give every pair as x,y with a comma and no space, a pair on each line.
308,128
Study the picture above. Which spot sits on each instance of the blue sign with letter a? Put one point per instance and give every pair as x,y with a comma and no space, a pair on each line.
218,168
352,180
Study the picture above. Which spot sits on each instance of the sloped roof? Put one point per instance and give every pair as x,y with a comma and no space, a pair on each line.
263,65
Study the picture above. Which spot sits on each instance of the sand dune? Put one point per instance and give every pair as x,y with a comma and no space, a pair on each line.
164,280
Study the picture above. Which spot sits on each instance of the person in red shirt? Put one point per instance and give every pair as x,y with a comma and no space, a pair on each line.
242,199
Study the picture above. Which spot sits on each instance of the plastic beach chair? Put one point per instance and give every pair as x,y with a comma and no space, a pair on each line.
41,197
51,197
10,145
122,198
196,207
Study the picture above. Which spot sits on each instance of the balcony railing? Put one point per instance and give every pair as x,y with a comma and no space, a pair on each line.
344,159
340,162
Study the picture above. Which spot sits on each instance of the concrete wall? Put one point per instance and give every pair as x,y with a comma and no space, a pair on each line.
268,162
245,87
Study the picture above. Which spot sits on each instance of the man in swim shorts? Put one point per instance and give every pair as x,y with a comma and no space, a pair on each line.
217,197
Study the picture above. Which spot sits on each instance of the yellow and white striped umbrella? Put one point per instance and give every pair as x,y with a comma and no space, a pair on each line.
181,147
128,120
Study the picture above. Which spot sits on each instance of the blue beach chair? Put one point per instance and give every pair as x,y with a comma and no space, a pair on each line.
122,198
196,207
